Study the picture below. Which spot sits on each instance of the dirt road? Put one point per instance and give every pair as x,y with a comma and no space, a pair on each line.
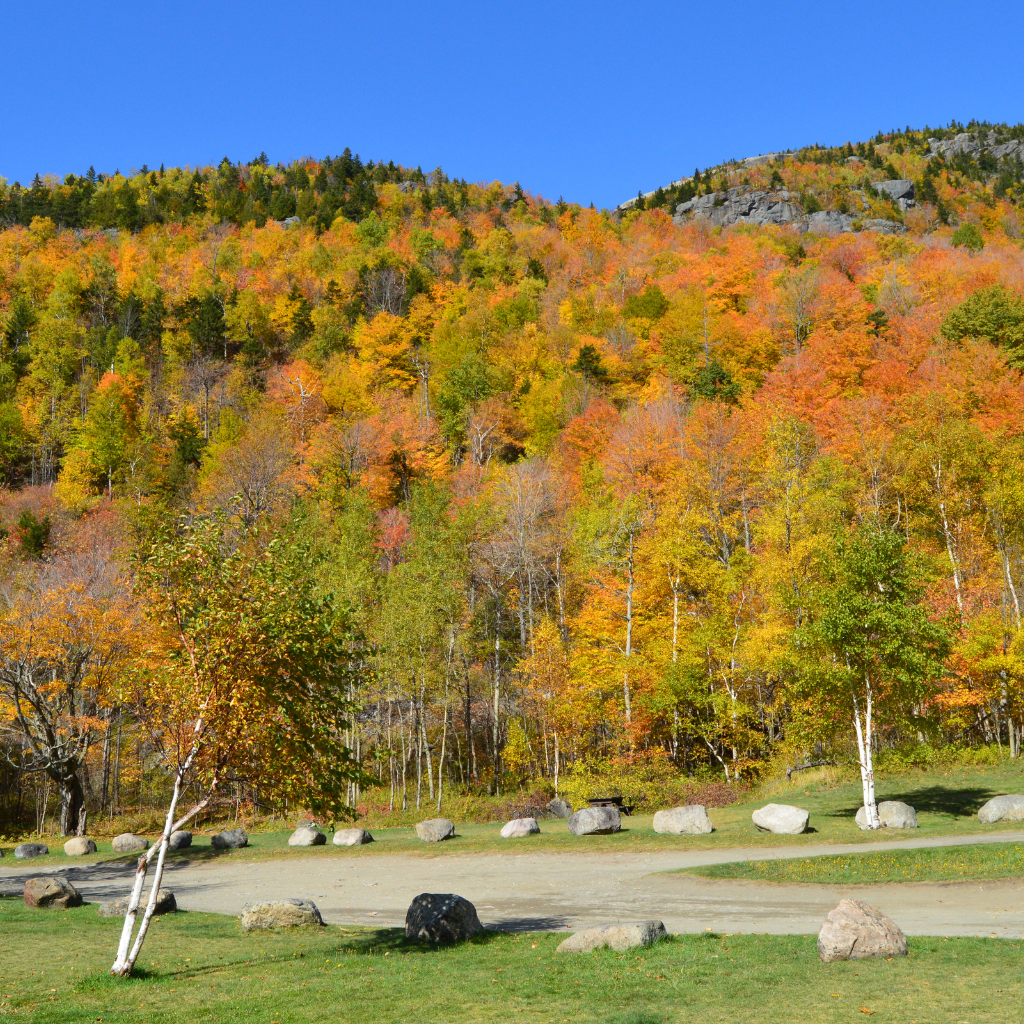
554,891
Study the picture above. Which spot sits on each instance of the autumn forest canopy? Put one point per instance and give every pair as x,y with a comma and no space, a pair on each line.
453,488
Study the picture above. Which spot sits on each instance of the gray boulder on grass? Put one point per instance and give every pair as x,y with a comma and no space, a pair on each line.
595,821
79,846
307,837
855,930
128,842
352,837
678,821
619,937
782,819
517,828
1002,808
559,808
287,913
232,839
179,840
435,830
441,917
165,904
54,892
891,814
25,851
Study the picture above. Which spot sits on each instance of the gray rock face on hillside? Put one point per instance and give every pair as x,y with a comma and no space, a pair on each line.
967,142
896,188
739,206
678,821
1002,808
441,917
619,937
855,930
595,821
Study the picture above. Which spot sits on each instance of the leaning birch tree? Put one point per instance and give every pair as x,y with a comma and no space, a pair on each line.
247,677
871,651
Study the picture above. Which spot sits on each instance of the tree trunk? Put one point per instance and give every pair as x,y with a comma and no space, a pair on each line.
72,803
867,769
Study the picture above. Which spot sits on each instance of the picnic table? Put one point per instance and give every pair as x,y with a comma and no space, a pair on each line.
610,801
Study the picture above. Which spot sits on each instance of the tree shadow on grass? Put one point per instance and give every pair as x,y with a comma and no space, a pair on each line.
959,802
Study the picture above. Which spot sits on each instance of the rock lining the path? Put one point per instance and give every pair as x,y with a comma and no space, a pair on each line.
352,837
231,839
691,819
78,846
51,892
855,930
782,819
891,814
26,851
307,837
260,915
179,840
619,937
128,842
441,917
1002,808
518,828
165,904
595,821
435,830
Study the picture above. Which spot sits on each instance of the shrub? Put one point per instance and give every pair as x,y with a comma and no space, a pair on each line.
969,237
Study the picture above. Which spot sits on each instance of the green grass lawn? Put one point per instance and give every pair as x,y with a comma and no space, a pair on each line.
941,864
946,804
201,967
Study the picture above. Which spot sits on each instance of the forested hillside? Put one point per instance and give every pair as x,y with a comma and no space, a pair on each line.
587,487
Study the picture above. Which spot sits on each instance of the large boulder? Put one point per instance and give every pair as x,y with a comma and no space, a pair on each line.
180,840
26,851
891,814
1002,808
519,827
307,837
79,846
559,808
781,819
896,188
619,937
128,842
855,930
441,917
352,837
595,821
232,839
165,904
288,913
691,819
435,830
55,892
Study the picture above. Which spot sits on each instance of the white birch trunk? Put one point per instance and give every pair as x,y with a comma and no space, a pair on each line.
867,771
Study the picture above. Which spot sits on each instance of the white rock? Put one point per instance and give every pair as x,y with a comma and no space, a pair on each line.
519,827
79,846
891,814
1002,808
619,937
307,837
595,821
855,930
435,830
691,819
781,819
288,913
127,842
352,837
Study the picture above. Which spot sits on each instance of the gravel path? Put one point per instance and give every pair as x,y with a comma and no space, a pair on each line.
555,891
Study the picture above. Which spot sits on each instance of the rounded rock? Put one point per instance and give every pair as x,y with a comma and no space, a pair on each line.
128,842
595,821
1002,808
891,814
79,846
619,937
436,830
352,837
231,839
307,837
54,892
441,917
518,828
287,913
165,904
782,819
26,851
855,930
691,819
179,840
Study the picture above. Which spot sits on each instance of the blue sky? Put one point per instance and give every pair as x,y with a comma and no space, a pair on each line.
592,101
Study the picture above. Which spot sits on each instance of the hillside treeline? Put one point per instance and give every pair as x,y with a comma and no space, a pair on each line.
584,487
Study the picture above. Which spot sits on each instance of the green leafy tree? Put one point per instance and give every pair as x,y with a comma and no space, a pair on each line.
871,649
994,313
969,237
